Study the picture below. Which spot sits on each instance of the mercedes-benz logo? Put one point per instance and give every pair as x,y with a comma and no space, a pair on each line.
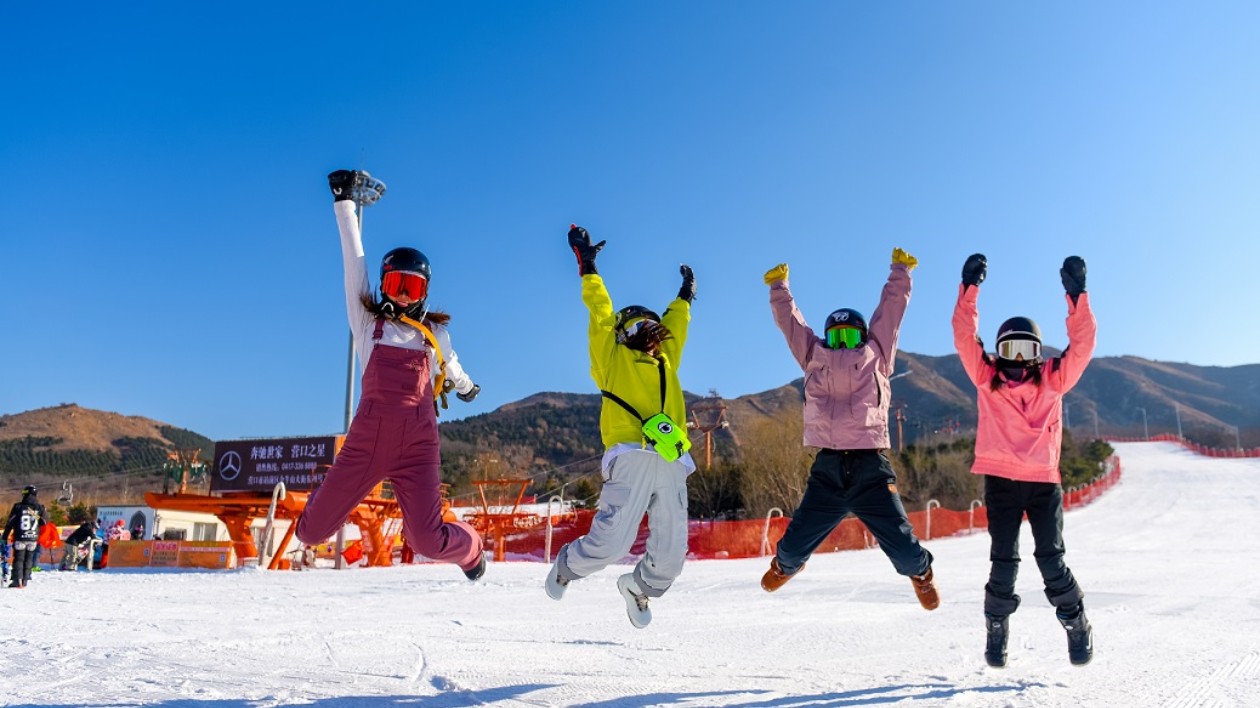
229,465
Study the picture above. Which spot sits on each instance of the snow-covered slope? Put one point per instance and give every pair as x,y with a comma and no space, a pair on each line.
1167,559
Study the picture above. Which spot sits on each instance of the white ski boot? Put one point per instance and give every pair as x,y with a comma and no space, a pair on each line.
636,602
556,585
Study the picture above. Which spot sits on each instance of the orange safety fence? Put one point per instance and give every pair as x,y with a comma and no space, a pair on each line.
757,537
1194,446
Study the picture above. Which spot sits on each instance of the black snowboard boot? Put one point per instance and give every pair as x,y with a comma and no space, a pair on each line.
1080,635
995,649
475,572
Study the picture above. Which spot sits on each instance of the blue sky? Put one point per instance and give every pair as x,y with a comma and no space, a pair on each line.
170,249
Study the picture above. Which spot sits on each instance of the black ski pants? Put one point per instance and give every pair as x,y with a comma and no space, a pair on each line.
1007,501
861,482
24,555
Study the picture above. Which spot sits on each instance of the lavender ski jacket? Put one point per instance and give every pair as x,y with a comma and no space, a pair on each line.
846,390
1020,431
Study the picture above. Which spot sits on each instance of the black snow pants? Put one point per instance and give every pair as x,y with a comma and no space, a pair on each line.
861,482
24,554
1007,501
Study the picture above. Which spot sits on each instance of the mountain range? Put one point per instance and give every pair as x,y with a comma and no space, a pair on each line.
556,434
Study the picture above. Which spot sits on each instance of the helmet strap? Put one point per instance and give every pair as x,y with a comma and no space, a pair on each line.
417,310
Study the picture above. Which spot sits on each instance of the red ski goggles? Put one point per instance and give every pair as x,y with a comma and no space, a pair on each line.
400,283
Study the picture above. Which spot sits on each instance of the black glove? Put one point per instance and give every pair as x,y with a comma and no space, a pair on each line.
580,242
1073,275
688,290
974,270
467,397
341,182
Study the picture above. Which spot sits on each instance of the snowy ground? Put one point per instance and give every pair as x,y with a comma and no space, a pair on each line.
1167,560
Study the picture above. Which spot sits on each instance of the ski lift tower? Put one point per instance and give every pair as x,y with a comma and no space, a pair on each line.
500,512
707,416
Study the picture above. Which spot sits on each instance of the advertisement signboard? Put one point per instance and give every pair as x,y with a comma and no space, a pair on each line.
211,555
257,465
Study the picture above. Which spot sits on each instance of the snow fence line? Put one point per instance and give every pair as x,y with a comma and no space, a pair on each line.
1194,446
758,537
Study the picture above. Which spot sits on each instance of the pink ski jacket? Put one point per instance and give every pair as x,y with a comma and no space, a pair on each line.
1020,431
846,390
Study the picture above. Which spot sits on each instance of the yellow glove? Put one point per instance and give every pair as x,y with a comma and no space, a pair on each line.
776,274
900,256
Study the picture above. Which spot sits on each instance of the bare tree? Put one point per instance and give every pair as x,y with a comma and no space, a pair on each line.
775,463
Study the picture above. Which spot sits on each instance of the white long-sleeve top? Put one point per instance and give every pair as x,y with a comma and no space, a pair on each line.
363,323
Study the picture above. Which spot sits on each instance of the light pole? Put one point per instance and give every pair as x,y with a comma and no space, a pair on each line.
1177,408
1096,435
1146,430
1067,414
1237,439
901,441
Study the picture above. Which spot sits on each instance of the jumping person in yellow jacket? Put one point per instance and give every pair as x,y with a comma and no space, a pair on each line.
635,356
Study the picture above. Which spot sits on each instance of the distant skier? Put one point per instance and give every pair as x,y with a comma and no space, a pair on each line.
635,355
1018,441
847,395
79,545
118,532
402,345
26,520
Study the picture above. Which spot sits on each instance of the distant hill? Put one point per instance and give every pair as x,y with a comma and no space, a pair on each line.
556,435
91,449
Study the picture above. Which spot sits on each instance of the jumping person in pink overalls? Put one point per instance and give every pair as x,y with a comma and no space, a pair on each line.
1019,436
394,434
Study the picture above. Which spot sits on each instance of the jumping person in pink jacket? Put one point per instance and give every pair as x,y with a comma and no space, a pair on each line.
847,394
402,345
1018,441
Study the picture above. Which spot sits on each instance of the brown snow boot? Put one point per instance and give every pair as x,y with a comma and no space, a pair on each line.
775,578
925,589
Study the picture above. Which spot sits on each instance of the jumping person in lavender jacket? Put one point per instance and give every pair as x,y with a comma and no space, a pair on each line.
1018,441
847,393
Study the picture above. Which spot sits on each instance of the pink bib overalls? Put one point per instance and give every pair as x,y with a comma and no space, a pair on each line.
394,435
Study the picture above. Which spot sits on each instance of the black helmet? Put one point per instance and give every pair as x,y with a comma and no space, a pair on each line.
30,489
626,315
1019,335
634,312
846,316
407,260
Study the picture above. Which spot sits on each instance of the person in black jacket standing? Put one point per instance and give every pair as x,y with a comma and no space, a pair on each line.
25,521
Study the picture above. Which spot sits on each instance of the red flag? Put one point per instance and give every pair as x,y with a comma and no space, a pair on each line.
353,552
50,536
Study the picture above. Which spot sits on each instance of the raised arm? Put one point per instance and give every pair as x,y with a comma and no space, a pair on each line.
677,317
800,338
1082,329
967,322
885,324
353,262
597,300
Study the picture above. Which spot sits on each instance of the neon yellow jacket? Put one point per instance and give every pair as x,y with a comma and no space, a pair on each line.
632,375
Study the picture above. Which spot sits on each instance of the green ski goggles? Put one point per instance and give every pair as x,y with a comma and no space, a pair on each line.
844,337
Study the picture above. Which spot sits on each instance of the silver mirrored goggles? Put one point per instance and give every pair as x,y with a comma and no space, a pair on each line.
1017,348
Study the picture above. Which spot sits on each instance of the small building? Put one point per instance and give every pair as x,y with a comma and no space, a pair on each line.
164,524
